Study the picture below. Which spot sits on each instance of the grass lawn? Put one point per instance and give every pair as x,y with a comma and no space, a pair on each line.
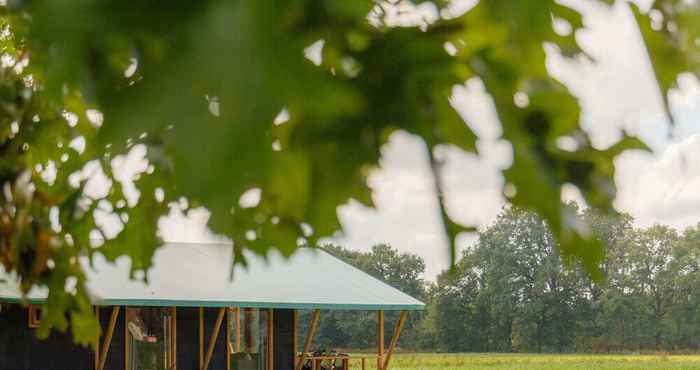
535,361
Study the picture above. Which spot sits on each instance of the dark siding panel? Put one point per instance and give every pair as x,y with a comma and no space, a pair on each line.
218,358
187,338
21,350
283,339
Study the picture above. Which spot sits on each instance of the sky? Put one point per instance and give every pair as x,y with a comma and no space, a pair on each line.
616,92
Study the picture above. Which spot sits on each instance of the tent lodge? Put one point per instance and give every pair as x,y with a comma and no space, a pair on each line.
192,316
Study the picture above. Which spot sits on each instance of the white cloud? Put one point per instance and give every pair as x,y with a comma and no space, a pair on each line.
662,189
616,90
407,213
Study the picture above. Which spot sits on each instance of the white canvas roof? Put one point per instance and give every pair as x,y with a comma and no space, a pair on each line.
198,274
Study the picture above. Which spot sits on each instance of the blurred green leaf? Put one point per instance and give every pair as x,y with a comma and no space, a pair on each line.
201,86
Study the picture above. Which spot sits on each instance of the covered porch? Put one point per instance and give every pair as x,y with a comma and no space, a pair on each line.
235,331
192,316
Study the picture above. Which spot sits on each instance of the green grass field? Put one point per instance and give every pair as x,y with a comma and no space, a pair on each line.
544,362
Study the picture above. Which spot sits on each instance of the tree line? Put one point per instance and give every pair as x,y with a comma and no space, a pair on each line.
511,291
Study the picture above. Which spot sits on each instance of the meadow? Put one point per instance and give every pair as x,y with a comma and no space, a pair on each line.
541,361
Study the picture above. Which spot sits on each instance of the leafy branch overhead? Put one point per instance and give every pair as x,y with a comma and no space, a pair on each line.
218,100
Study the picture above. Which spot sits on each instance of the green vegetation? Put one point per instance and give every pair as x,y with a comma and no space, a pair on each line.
193,87
510,292
492,361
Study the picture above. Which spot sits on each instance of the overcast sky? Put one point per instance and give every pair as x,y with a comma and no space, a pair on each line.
616,92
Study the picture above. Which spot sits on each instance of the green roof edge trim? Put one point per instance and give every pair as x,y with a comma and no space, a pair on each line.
193,303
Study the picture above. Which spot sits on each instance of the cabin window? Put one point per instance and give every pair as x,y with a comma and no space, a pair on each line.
34,316
249,344
150,343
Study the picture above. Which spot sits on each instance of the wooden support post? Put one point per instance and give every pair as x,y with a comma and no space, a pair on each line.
238,329
229,315
395,338
295,338
174,338
380,339
108,337
270,339
201,337
212,339
309,338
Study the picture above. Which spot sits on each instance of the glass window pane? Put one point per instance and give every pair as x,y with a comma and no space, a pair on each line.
248,341
150,334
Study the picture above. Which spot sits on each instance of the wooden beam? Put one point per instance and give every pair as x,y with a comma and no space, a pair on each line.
126,339
214,336
295,335
380,339
174,338
309,338
395,338
201,337
270,339
108,337
238,329
229,312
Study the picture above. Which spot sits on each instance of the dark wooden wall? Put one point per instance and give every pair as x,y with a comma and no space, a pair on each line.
20,349
283,338
187,338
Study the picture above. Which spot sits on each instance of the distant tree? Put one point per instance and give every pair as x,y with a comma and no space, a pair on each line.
654,271
459,317
684,316
610,321
511,291
547,291
426,332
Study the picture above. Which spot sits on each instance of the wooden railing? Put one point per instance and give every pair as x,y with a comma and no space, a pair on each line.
339,360
383,360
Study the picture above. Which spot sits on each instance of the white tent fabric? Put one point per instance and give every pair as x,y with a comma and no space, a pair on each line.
198,274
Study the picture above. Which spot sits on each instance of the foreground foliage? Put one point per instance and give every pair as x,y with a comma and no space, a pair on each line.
220,105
